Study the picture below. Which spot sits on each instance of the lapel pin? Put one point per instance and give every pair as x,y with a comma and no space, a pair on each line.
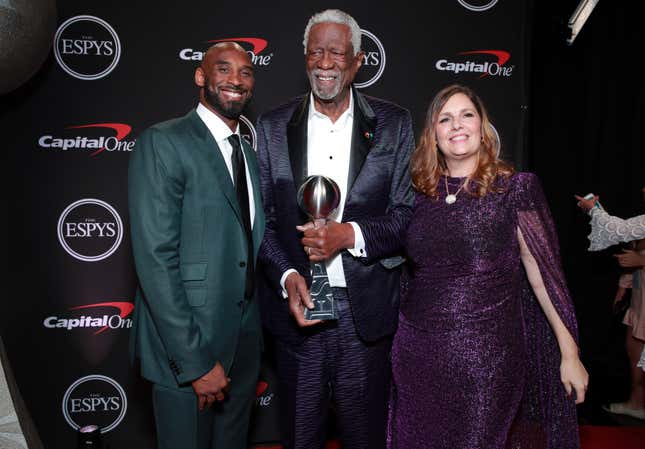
368,135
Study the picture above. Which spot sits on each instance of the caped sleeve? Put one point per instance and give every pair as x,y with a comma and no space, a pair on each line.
538,230
547,418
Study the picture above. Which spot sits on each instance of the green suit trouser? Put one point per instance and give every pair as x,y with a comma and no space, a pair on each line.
224,425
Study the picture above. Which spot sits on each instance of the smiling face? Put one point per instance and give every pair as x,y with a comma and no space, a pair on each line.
331,63
226,79
458,130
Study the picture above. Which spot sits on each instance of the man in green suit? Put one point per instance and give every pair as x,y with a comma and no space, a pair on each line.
197,223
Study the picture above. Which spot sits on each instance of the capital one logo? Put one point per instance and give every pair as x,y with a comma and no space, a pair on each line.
94,138
254,47
262,398
373,61
483,62
87,47
90,230
92,318
477,6
95,399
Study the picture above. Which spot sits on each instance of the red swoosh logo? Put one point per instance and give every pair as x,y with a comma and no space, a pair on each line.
258,44
261,388
121,129
501,55
125,309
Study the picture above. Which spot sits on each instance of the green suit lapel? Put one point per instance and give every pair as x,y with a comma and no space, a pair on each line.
207,144
258,222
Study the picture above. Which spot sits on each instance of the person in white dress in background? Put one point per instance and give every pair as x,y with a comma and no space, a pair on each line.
608,230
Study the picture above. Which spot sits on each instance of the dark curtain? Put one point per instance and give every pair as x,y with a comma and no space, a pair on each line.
585,135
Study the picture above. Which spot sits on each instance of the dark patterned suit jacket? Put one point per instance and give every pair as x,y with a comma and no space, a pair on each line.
379,200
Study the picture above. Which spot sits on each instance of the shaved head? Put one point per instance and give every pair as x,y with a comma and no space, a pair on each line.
226,80
214,50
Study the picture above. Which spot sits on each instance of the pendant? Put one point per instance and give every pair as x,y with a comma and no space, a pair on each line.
451,198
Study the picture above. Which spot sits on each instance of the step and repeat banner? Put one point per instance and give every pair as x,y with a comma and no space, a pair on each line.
118,67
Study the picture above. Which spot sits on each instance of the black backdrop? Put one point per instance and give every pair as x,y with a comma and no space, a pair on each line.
83,372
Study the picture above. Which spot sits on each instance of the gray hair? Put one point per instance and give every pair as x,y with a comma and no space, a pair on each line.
335,16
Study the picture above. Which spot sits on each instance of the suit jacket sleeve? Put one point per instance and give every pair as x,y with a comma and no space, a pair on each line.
272,256
155,190
384,234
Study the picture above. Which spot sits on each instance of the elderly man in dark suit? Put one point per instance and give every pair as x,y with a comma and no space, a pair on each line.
197,223
364,145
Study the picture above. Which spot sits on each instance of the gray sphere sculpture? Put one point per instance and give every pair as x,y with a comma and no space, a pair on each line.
319,196
27,28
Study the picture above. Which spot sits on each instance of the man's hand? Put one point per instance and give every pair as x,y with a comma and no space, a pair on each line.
211,386
630,259
299,298
324,242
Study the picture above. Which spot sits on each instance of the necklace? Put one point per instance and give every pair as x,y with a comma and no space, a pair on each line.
452,197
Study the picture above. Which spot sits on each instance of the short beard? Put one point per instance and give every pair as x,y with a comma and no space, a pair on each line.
324,95
231,110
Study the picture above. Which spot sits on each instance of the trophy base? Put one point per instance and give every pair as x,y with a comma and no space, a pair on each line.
325,315
324,308
321,295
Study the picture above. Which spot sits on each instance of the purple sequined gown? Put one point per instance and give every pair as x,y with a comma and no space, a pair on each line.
475,363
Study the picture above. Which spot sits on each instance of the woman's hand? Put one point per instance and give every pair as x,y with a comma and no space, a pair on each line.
630,259
584,204
620,294
574,377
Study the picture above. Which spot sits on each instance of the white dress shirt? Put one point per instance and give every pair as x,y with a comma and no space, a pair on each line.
328,153
221,133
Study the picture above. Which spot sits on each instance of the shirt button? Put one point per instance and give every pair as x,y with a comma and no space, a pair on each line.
331,157
242,264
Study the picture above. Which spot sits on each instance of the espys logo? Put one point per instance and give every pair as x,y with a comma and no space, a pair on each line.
247,130
95,399
475,62
90,230
254,46
261,399
477,6
499,140
98,321
87,47
373,61
92,139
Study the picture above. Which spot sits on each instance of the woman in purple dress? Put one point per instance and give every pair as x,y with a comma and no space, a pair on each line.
486,354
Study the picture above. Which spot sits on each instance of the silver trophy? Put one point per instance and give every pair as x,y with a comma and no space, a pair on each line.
319,197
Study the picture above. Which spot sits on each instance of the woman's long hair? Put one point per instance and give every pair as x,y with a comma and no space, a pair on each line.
428,163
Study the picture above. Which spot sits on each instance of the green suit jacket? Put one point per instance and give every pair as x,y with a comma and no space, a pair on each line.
189,250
